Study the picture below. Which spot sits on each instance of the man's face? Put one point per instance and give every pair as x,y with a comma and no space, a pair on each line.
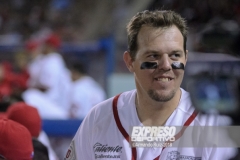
163,46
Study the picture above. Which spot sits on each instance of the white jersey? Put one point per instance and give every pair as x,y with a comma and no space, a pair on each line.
100,135
49,71
85,94
34,71
55,76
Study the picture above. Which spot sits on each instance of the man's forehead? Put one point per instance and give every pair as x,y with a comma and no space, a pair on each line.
149,33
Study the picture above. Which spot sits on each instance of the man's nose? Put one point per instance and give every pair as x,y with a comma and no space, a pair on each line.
165,63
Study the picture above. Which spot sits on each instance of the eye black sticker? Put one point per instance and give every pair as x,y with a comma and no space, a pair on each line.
178,65
154,65
149,65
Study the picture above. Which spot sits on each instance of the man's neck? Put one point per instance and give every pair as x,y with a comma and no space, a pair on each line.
153,113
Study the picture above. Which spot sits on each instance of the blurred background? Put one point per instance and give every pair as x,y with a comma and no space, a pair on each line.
94,33
83,24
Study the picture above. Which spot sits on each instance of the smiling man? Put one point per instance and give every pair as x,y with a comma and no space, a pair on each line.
159,87
157,57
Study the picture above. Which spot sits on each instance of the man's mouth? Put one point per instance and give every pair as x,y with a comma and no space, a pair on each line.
163,79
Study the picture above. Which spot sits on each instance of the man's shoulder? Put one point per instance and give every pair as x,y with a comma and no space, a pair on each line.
103,110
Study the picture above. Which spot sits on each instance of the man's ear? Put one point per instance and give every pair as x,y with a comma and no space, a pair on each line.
128,61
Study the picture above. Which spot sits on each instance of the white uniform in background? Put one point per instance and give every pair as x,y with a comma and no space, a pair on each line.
55,76
34,70
51,73
46,108
99,137
85,94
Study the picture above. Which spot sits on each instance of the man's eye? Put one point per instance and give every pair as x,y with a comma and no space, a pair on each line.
175,55
153,56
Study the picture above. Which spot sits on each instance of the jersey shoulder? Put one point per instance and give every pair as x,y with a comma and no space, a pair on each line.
103,111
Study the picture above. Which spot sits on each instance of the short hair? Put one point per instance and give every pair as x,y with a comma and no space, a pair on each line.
157,18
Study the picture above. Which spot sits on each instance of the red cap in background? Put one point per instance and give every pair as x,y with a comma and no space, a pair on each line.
15,141
32,45
53,40
27,116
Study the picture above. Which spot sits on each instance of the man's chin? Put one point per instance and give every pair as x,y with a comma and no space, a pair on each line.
161,96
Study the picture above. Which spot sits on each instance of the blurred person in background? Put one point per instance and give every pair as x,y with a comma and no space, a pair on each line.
29,117
5,85
85,91
33,49
20,75
13,80
15,141
49,83
54,76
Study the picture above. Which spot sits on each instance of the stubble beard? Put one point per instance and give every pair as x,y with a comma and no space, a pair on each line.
160,97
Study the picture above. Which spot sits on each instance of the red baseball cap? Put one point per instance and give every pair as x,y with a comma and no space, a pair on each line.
53,40
15,141
3,115
27,116
32,45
